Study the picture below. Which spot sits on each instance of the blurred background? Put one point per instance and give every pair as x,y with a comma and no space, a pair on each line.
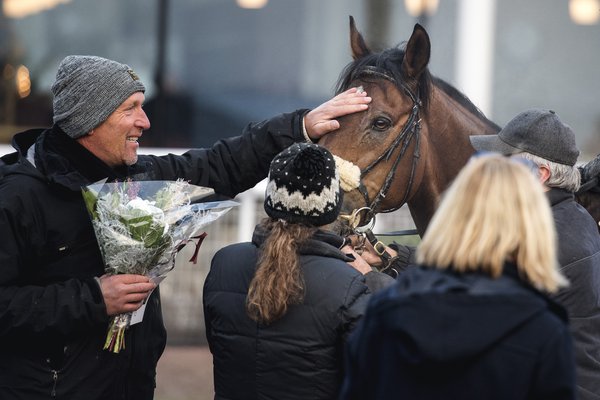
213,66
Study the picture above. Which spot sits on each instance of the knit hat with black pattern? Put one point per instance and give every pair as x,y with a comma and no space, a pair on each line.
304,186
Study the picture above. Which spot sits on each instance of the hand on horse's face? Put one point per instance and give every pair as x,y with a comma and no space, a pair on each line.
322,119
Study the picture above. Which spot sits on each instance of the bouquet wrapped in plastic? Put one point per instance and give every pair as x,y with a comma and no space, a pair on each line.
141,225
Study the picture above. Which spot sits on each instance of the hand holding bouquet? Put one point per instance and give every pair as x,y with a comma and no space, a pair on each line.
141,225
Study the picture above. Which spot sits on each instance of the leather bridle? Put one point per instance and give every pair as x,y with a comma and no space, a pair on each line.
409,131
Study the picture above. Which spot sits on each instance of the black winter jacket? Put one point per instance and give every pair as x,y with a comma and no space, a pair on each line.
298,356
53,320
579,258
438,335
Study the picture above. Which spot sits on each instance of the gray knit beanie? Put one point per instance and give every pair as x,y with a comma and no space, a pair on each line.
88,89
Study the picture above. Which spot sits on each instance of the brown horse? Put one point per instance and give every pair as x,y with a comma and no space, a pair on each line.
414,138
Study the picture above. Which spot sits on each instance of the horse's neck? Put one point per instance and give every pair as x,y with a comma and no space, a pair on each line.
446,149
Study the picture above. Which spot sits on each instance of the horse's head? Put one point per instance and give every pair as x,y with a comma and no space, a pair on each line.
385,140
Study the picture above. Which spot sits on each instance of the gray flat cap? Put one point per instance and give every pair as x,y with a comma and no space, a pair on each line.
536,131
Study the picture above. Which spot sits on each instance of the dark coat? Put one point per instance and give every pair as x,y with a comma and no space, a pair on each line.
437,335
53,320
579,258
298,356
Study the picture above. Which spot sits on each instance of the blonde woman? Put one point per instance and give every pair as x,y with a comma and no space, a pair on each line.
472,320
279,309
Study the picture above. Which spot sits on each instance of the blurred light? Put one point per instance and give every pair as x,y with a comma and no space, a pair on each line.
23,8
584,12
252,3
23,82
418,8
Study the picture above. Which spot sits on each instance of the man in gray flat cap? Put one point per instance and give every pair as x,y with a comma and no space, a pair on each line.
540,136
55,301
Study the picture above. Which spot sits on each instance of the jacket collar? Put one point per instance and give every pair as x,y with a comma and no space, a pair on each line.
64,161
323,243
556,195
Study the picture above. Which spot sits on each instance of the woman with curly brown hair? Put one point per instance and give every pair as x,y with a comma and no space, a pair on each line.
278,309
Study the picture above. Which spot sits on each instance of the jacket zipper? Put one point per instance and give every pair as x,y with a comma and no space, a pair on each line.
55,378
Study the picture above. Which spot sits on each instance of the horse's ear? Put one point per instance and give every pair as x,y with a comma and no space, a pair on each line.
418,50
357,43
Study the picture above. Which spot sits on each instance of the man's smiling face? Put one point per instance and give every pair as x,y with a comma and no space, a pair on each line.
115,141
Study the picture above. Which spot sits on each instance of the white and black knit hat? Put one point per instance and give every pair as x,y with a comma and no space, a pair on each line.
88,89
304,186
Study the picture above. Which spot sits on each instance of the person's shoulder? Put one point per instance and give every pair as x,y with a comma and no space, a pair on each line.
232,267
17,180
236,252
332,275
553,318
326,265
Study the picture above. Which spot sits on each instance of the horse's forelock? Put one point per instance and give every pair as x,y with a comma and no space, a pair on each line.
389,62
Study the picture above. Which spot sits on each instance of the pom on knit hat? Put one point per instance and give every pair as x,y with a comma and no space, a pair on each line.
304,186
88,89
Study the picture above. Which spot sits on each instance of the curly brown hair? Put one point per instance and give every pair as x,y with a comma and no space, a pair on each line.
278,280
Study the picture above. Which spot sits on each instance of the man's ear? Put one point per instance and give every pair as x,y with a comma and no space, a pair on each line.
544,173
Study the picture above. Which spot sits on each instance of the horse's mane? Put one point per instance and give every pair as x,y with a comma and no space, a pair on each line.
463,100
389,62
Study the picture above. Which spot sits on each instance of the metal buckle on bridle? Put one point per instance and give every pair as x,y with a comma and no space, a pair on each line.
365,232
354,219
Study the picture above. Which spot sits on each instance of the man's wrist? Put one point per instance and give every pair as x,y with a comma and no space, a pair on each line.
305,133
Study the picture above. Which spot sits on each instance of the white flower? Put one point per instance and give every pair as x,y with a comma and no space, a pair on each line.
144,207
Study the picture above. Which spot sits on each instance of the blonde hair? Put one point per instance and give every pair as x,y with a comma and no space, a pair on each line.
278,281
495,211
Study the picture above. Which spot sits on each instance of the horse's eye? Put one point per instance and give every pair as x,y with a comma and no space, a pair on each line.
381,124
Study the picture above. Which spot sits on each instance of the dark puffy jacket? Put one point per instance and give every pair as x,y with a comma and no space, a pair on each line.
437,335
579,258
53,321
298,356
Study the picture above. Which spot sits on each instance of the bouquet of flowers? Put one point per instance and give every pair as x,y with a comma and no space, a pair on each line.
141,225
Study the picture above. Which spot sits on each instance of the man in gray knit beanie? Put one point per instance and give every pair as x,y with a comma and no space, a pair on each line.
88,89
55,298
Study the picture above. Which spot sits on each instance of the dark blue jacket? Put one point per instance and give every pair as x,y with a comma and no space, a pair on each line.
437,335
